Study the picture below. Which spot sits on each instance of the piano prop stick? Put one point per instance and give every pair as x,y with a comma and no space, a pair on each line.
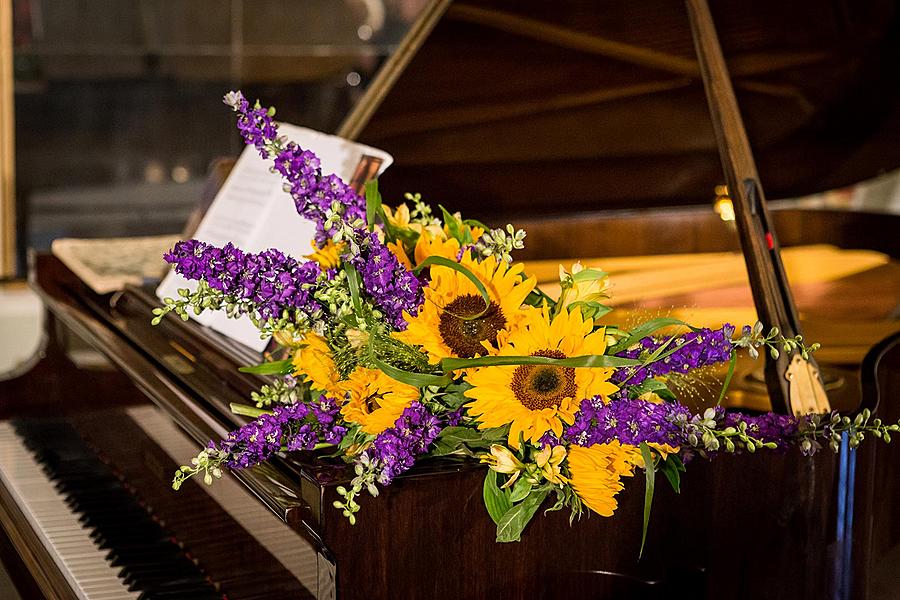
794,382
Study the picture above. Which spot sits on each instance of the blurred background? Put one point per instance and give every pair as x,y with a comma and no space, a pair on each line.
118,108
118,113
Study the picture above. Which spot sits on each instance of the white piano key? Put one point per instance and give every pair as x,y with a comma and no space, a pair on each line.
80,560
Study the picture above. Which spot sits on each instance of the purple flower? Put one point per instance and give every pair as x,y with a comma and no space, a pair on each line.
389,284
270,282
692,350
629,422
768,427
314,194
296,427
632,421
255,123
395,449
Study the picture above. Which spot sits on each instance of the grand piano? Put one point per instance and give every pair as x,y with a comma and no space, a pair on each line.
587,124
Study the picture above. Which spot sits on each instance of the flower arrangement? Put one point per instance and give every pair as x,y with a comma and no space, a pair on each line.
408,334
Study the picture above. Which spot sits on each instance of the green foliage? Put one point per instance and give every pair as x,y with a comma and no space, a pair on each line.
248,411
672,468
373,204
590,309
496,500
277,367
466,441
654,386
728,376
650,480
455,227
642,331
514,520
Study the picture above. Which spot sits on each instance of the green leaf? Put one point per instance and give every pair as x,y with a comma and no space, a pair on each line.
496,501
353,284
456,440
248,411
538,298
373,203
476,223
277,367
728,377
589,360
454,225
643,331
495,434
657,355
591,309
513,522
521,489
672,469
657,387
589,275
446,262
460,435
650,476
454,400
410,377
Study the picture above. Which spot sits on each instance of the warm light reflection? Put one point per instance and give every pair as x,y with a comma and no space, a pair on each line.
180,174
723,205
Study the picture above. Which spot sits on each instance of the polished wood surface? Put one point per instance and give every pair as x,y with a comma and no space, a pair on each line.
503,110
790,391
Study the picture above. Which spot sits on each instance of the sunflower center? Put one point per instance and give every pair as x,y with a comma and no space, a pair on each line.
543,386
464,334
373,402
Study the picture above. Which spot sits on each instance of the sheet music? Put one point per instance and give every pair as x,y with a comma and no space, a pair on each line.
253,212
108,264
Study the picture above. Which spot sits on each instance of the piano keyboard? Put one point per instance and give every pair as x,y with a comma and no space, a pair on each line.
69,542
115,529
291,550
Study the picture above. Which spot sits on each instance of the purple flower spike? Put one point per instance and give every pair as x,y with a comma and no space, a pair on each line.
269,281
255,123
395,449
391,286
296,427
629,422
693,350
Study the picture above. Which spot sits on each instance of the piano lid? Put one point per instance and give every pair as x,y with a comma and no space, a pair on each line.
498,107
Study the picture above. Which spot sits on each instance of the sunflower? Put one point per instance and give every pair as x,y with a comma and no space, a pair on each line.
539,398
313,361
328,256
375,400
596,473
444,326
435,243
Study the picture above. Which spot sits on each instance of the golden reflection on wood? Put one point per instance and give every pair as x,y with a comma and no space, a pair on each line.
7,145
